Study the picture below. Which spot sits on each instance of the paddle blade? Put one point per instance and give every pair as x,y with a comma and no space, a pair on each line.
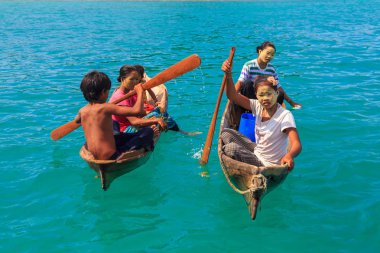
189,63
63,130
176,70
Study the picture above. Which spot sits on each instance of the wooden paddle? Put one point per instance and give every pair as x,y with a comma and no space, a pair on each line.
207,147
176,70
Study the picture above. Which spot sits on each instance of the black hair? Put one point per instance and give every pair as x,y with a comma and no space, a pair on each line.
264,45
93,83
140,69
125,71
262,81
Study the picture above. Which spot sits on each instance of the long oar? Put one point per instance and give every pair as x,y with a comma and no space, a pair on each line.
176,70
207,147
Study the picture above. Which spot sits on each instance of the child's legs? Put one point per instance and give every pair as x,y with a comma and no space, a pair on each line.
154,113
239,153
239,147
230,135
131,129
172,125
130,141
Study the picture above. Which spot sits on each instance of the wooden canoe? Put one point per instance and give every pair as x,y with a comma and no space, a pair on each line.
108,170
251,181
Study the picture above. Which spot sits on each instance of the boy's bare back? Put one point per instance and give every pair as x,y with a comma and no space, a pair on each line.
97,126
96,119
96,116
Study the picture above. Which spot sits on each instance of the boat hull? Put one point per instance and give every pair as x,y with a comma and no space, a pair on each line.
109,170
251,181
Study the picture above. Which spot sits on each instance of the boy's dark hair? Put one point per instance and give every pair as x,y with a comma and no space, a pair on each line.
93,83
125,71
264,45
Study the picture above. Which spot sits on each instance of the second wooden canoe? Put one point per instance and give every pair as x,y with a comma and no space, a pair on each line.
251,181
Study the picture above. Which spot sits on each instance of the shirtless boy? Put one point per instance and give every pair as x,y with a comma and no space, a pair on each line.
96,119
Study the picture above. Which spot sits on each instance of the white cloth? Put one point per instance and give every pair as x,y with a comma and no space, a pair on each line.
161,93
271,140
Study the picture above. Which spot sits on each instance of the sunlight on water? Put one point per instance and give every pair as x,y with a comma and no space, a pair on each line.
196,154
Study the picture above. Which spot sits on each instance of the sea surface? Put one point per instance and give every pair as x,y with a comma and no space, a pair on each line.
328,59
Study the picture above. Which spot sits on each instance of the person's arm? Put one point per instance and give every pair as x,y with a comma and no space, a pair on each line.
231,92
238,85
152,95
294,149
141,122
288,99
125,110
77,118
139,105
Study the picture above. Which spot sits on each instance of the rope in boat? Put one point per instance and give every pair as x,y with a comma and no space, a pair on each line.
259,181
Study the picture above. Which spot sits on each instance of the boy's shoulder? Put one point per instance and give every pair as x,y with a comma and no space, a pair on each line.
94,107
84,108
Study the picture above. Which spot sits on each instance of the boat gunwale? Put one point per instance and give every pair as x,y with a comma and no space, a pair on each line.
130,156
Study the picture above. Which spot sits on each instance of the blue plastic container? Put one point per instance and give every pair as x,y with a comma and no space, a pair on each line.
247,125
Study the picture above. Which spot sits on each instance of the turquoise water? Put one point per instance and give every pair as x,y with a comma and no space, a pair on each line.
328,60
